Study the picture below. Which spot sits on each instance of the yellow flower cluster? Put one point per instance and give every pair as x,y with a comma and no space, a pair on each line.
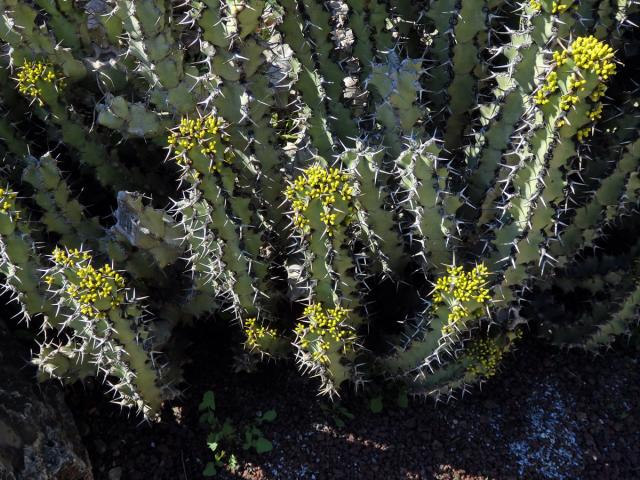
486,356
567,101
463,286
599,92
560,57
7,201
535,5
327,322
322,327
588,54
550,86
30,74
462,292
325,185
591,54
201,132
575,83
68,258
95,290
583,133
557,8
596,113
590,57
256,332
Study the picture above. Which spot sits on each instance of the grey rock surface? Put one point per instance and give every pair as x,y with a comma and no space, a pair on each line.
38,437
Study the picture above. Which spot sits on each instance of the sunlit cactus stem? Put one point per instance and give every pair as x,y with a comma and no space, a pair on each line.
102,311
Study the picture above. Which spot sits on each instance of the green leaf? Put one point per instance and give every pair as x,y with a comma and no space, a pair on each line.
213,446
227,429
263,445
208,401
233,463
209,418
269,416
375,404
209,470
339,422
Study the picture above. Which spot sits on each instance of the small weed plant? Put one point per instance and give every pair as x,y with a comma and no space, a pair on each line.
224,438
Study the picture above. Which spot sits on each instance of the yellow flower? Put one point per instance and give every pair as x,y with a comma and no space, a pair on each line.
464,293
86,285
205,133
326,185
257,333
485,355
31,76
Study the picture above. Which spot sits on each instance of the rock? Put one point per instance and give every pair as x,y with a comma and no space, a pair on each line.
115,473
38,437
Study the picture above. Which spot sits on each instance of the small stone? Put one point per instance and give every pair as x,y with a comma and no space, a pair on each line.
115,473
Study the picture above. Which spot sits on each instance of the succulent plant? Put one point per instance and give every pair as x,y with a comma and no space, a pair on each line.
372,188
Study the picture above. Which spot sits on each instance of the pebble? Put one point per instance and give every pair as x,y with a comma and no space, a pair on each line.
115,473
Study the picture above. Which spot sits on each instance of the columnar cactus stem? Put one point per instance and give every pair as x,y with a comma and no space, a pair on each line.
318,32
375,213
161,59
323,208
565,111
440,15
104,312
459,301
68,23
470,35
422,181
397,89
611,282
19,261
588,219
200,148
63,214
309,82
68,362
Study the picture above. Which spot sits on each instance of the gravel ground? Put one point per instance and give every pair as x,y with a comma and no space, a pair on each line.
549,415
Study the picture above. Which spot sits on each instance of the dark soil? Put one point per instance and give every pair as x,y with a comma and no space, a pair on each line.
548,415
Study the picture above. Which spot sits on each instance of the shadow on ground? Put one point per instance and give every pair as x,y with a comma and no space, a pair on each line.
549,415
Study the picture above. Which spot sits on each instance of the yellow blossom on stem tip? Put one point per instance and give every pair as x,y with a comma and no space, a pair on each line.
256,333
486,356
8,202
323,328
32,75
325,185
94,291
464,293
205,133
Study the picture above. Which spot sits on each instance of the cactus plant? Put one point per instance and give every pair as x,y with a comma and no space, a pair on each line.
372,188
